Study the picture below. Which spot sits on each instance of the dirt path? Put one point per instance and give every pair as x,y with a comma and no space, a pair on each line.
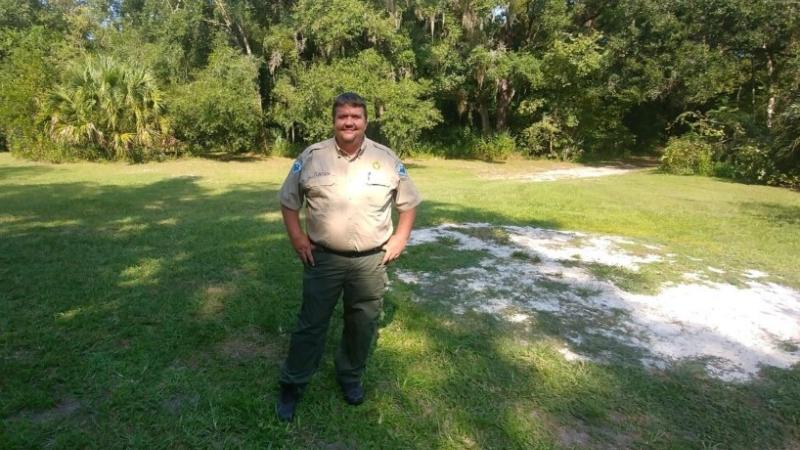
572,173
568,171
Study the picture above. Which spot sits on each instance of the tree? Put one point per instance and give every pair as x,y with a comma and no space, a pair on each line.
221,108
110,106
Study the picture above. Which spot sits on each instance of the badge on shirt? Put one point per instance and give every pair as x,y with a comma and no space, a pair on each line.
401,170
297,166
376,165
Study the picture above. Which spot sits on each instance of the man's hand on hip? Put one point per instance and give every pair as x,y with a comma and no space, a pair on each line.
303,246
393,247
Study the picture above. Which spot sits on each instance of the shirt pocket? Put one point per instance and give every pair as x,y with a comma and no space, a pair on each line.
319,186
379,188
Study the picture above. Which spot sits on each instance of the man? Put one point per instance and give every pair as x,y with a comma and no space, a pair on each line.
349,185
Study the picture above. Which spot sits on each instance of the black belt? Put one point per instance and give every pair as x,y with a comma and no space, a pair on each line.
353,254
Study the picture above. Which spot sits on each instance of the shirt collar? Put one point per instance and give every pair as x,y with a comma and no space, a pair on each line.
356,155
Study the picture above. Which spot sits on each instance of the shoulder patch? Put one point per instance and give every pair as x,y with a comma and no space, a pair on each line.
297,166
401,169
305,156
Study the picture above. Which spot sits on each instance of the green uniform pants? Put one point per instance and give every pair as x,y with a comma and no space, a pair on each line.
362,280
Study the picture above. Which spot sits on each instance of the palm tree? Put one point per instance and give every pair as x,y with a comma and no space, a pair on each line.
110,105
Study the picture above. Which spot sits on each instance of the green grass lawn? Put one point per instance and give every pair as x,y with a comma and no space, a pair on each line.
148,306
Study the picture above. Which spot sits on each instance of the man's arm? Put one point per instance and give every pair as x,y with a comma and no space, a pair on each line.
395,245
299,239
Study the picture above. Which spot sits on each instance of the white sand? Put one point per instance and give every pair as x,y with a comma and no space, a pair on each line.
732,330
565,174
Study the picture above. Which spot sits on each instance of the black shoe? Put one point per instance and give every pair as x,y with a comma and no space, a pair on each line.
287,402
353,392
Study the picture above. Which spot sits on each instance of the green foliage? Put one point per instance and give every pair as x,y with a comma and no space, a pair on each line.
280,48
565,80
406,113
453,142
550,138
109,106
688,155
495,148
279,146
787,136
572,61
171,40
397,108
465,143
753,164
26,71
40,147
221,108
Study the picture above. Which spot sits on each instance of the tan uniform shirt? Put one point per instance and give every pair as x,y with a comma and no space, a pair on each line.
349,200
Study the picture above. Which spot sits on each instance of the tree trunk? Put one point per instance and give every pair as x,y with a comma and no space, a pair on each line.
505,94
244,40
753,87
486,126
770,87
229,24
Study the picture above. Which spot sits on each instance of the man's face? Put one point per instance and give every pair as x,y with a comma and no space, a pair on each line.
349,124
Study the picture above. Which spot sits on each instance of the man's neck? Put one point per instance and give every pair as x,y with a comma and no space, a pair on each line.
352,148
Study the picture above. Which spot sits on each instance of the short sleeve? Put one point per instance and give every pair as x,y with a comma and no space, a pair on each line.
407,196
291,195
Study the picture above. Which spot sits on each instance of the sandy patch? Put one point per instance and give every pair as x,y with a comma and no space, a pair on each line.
731,330
568,174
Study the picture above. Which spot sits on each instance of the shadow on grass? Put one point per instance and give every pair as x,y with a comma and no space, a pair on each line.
487,384
156,316
7,172
140,306
772,212
630,162
414,165
232,157
435,213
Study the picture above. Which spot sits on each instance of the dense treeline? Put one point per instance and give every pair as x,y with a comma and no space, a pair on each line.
716,83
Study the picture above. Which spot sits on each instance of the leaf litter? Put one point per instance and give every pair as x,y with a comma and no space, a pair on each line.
730,330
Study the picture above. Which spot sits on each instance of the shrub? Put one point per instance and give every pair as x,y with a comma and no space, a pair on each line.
688,155
40,147
407,114
788,179
221,108
724,169
448,142
495,148
27,71
753,164
787,139
549,138
282,147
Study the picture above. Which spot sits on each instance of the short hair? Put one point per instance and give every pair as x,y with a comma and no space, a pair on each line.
349,99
